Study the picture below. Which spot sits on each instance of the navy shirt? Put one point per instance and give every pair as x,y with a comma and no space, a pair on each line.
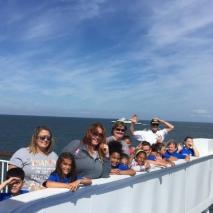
151,157
54,176
5,196
120,166
187,151
167,155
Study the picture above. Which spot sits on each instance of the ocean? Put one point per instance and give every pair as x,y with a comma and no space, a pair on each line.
16,130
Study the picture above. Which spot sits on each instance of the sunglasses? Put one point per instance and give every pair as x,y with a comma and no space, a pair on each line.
44,138
120,130
96,134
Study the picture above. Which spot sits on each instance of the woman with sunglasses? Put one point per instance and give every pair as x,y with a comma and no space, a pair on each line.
91,154
37,160
117,134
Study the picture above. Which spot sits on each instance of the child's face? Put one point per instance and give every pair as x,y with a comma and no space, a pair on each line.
141,157
163,150
171,148
115,158
66,166
147,149
15,186
128,142
125,161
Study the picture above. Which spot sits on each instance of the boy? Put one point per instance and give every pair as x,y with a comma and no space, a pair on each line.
14,181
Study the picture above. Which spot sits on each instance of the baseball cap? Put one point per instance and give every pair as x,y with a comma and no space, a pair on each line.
154,121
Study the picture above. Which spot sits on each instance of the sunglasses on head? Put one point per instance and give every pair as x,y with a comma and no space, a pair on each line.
44,138
120,130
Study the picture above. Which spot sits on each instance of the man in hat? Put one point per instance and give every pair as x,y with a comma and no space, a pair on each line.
154,134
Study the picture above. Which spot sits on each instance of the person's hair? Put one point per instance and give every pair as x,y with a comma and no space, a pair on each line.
124,155
33,146
126,137
145,143
91,130
140,151
62,156
15,172
115,146
187,137
89,134
172,141
159,146
118,124
154,147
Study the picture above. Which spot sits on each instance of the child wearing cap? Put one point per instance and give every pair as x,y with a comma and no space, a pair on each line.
140,163
14,181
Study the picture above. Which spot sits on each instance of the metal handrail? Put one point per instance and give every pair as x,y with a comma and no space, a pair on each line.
4,168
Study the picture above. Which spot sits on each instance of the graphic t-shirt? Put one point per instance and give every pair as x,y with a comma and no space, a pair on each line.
37,167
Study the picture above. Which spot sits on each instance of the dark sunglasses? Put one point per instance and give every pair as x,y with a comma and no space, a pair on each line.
120,130
96,134
44,138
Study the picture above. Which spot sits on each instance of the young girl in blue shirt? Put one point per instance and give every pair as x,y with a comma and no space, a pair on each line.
64,175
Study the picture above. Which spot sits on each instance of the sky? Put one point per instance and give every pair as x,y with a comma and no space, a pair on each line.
107,58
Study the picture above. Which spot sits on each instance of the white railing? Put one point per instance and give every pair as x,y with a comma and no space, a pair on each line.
185,188
4,168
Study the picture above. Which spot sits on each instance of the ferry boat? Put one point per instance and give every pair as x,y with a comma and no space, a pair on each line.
184,188
126,121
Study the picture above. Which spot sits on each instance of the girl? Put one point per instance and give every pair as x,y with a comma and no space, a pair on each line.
140,163
64,175
118,168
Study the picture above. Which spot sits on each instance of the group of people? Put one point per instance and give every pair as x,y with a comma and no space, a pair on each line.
95,156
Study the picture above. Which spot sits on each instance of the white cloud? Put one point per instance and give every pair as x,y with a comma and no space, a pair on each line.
163,70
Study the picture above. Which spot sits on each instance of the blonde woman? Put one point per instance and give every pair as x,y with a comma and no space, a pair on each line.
37,160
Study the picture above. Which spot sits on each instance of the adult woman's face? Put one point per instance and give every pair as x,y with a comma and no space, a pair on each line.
119,132
97,136
43,140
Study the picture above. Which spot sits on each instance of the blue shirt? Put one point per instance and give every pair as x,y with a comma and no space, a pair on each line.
151,157
187,151
5,196
54,176
167,155
120,166
123,167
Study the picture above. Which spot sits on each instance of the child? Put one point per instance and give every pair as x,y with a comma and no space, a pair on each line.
124,163
64,175
115,157
14,181
128,142
140,163
172,153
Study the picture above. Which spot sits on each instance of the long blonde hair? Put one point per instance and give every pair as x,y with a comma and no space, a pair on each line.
33,146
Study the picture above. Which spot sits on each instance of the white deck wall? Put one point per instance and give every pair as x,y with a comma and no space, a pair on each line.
187,187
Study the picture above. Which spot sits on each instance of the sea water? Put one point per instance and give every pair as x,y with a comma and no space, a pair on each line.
16,131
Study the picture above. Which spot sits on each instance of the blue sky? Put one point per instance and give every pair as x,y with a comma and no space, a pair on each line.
106,58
